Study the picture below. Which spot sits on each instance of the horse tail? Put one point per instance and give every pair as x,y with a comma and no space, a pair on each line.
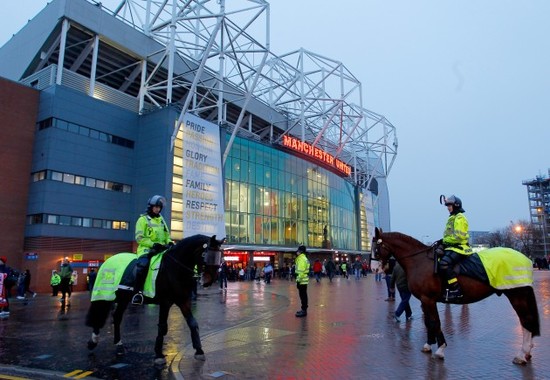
98,313
533,323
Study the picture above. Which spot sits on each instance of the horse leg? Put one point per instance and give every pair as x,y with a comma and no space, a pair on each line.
433,327
92,343
524,354
122,304
161,332
185,308
525,304
95,318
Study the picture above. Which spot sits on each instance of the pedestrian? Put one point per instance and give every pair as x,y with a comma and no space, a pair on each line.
152,236
27,284
331,269
66,274
268,272
317,270
5,272
399,280
379,271
357,268
222,275
196,276
344,269
21,286
92,275
302,279
455,243
388,270
55,280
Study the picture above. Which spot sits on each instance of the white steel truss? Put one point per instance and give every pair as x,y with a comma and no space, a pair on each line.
224,47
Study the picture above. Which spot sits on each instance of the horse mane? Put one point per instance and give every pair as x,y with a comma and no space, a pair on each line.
403,237
185,250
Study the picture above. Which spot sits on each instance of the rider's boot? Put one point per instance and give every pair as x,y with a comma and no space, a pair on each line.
453,292
141,274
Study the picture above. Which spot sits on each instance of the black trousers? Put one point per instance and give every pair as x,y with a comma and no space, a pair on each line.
448,262
302,291
65,287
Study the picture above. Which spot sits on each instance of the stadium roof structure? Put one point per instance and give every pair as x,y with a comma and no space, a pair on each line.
210,58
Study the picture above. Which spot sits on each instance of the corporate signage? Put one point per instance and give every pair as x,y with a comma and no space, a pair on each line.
316,153
203,210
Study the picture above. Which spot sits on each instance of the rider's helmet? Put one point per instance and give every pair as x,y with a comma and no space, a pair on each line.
454,201
155,200
301,249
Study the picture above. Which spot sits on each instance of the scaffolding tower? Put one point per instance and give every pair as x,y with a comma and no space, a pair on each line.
538,192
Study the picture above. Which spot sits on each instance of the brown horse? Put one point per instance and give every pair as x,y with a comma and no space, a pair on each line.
417,259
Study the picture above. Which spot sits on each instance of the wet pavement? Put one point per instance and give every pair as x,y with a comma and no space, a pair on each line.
250,332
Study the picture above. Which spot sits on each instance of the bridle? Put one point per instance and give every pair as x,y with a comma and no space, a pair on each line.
210,256
377,246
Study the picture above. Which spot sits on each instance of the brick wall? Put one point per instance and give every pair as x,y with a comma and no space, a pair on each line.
18,112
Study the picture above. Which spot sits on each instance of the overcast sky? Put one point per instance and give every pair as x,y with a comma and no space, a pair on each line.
466,84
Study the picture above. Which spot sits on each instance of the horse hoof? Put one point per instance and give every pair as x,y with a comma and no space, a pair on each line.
120,350
160,361
91,344
519,361
439,355
427,348
200,357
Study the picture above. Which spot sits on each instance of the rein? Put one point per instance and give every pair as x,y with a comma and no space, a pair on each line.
431,247
208,255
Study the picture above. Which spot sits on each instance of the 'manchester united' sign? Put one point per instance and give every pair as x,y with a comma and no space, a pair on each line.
318,154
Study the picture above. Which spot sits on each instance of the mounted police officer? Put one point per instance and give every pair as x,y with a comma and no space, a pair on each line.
455,243
152,236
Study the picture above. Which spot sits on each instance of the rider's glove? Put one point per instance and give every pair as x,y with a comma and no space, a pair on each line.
157,247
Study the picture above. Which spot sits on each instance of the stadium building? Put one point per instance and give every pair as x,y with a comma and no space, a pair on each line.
103,107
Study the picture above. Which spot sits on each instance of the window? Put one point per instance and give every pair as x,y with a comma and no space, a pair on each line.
77,221
90,182
64,220
39,176
68,178
80,180
57,176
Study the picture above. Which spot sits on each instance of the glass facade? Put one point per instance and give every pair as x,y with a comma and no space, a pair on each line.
276,198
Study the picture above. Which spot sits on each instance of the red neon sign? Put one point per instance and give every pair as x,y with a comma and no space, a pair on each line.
318,154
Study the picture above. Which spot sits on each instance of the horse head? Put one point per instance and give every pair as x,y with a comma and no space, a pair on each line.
380,251
211,259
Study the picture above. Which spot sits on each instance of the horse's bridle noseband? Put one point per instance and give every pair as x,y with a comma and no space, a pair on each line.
212,256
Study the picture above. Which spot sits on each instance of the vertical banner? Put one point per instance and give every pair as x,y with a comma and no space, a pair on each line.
203,211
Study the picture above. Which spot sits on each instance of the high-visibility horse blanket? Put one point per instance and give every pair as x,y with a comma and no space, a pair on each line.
501,267
118,272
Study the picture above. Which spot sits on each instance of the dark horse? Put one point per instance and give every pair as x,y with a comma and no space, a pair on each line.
173,286
417,260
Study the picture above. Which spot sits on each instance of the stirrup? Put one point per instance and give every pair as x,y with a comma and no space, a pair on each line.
137,299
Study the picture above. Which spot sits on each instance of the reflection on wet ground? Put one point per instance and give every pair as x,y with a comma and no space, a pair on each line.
250,332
